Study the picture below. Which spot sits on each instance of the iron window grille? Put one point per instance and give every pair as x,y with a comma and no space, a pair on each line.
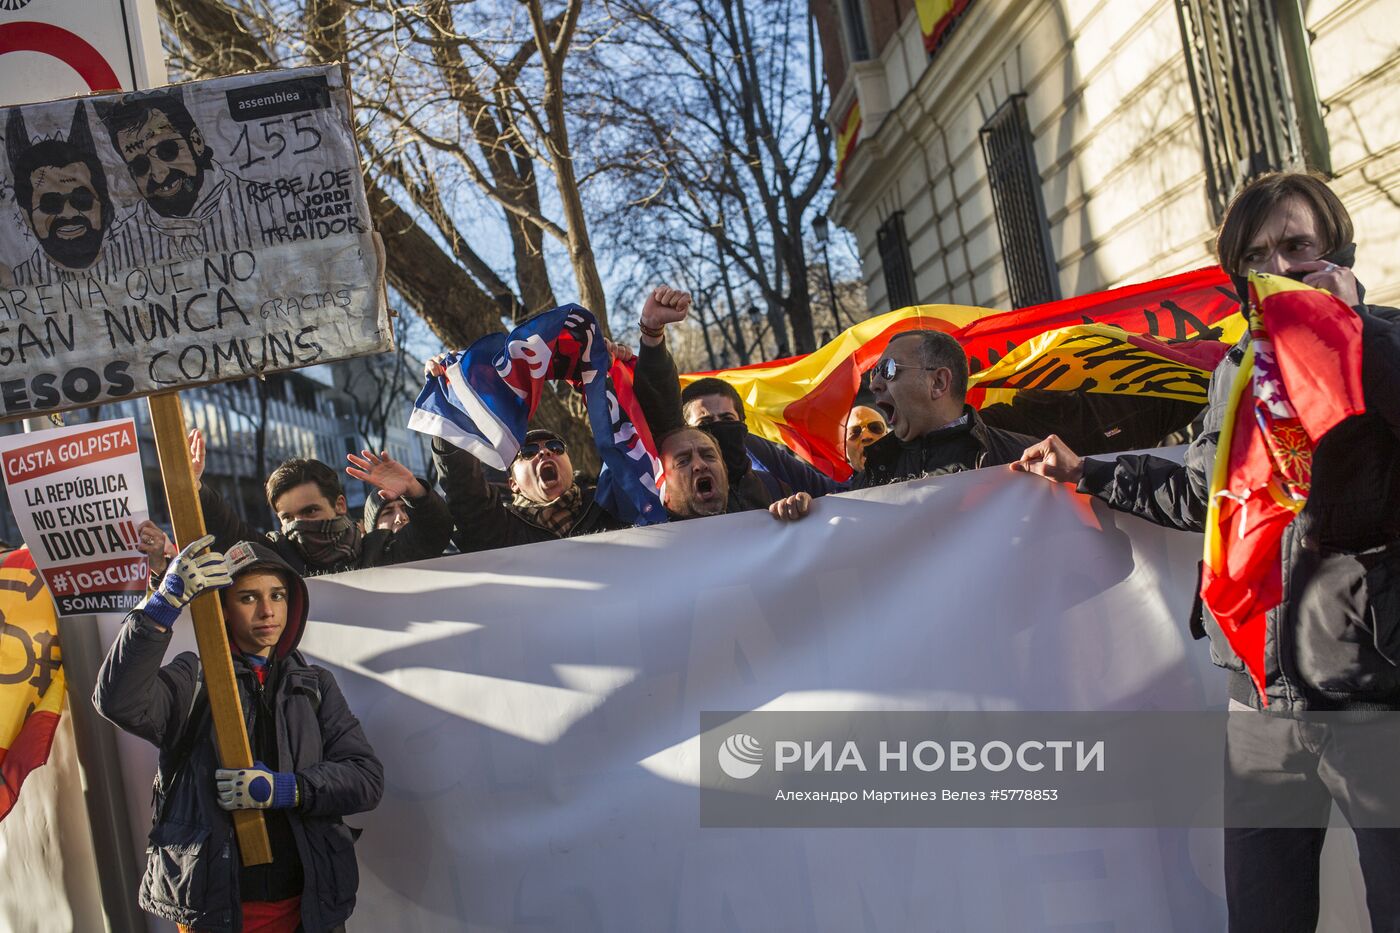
894,260
1251,81
1008,147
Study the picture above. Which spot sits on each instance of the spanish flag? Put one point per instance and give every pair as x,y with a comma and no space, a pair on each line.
1300,376
935,16
847,138
1159,339
31,674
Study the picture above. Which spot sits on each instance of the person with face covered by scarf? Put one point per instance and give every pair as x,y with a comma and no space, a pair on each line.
759,471
317,533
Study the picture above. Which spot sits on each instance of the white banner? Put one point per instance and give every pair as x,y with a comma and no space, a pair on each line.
537,712
79,495
187,235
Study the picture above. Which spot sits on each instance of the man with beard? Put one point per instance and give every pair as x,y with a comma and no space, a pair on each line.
191,205
317,534
920,386
62,191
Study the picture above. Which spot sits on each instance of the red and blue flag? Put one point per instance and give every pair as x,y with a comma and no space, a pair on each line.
484,403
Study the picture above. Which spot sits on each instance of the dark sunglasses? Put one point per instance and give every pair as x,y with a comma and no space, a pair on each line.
531,450
167,150
887,369
875,428
82,199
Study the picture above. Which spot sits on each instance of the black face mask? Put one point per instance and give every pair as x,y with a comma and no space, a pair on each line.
730,436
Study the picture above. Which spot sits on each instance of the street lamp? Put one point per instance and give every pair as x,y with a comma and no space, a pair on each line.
821,228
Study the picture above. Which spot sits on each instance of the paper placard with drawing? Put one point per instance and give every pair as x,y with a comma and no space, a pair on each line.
181,236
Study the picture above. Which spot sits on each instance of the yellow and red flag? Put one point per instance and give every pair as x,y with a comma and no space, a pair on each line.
1160,339
847,138
1300,376
935,16
31,673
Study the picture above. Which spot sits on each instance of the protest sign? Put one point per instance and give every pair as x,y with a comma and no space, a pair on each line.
78,496
182,236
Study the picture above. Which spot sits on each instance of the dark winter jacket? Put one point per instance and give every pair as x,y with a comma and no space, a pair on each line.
193,869
965,446
481,513
426,535
1093,422
776,472
1334,641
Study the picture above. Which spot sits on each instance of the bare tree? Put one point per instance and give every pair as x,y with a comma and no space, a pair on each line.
382,388
401,53
725,140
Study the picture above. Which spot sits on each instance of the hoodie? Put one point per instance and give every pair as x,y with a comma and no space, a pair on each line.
281,878
297,721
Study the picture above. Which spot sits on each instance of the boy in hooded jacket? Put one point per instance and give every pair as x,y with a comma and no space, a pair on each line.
312,764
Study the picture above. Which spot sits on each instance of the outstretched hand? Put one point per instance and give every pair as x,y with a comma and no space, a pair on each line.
434,367
1052,459
381,470
157,547
619,351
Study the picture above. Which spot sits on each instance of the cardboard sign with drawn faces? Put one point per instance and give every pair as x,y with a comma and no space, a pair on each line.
181,236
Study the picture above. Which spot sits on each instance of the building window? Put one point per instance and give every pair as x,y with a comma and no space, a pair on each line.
1008,147
854,19
1252,81
894,260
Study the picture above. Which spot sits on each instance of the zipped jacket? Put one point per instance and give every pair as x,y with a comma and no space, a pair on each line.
1334,641
192,858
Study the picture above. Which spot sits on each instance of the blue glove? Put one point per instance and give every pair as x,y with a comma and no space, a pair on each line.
256,788
185,578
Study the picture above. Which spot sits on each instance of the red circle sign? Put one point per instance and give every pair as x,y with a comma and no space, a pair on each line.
71,49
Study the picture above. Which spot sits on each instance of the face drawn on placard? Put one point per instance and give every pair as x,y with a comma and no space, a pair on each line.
191,205
181,236
61,190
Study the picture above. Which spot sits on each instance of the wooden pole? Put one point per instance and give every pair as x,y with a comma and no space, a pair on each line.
168,423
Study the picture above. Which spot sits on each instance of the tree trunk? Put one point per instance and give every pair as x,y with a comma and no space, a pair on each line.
449,301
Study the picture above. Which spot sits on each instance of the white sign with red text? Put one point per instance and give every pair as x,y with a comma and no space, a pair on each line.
79,495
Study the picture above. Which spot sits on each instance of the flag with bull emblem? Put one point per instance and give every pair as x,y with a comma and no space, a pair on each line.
1158,339
484,402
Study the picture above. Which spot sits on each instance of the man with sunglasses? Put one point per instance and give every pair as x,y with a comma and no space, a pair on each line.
190,203
920,386
545,501
62,191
